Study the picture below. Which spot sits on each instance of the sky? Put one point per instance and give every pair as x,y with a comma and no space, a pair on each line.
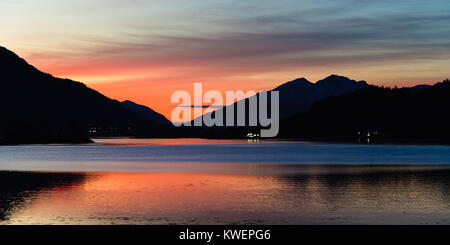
144,50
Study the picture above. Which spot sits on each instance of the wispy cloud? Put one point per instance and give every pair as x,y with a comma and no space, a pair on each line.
138,45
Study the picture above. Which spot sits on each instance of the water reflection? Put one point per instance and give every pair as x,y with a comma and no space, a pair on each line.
17,189
182,141
231,194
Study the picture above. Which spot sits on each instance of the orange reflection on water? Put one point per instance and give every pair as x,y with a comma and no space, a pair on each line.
182,141
148,198
246,195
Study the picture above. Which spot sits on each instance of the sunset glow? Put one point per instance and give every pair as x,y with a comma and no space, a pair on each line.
145,50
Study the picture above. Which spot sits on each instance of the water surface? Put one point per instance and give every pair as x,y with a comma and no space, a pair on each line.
192,181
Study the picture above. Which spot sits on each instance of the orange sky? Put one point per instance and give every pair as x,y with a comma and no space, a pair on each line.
152,85
145,50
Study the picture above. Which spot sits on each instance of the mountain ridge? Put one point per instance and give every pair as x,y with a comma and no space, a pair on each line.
145,111
298,95
374,114
37,107
41,108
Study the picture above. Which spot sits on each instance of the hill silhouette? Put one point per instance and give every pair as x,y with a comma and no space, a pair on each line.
420,114
368,114
298,95
38,108
146,112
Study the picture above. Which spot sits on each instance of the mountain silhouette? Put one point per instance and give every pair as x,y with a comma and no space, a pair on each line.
146,112
298,95
377,114
38,108
340,109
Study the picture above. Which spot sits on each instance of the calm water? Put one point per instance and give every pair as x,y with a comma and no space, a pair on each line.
193,181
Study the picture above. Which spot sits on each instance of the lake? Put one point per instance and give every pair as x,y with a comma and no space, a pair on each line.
199,181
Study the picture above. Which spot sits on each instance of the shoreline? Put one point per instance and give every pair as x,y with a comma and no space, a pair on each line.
392,142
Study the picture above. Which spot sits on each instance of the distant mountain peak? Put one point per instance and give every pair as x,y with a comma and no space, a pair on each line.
339,78
301,79
335,76
128,102
7,56
145,112
4,51
339,84
296,83
11,61
335,79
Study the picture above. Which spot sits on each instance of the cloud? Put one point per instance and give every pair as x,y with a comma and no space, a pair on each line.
145,50
352,41
219,41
